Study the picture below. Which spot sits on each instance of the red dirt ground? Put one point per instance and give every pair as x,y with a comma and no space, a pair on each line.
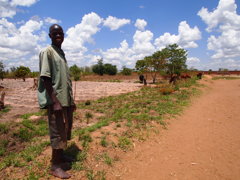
23,99
202,144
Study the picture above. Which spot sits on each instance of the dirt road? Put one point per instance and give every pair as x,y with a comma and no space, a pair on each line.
202,144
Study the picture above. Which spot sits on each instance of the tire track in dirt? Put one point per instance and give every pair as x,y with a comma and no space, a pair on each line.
202,144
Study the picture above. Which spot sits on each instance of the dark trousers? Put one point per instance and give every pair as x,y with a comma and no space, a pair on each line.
60,126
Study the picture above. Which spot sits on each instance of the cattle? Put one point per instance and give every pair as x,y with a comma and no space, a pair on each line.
142,79
185,76
173,79
199,75
2,100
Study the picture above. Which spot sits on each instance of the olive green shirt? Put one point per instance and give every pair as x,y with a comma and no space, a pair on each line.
53,64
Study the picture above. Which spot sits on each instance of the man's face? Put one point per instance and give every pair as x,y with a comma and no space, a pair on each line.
57,36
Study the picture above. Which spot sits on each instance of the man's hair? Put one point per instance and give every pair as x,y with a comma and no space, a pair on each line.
54,25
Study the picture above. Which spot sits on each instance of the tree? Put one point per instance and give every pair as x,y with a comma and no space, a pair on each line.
101,68
2,72
110,69
22,72
98,68
153,64
176,59
157,63
141,66
75,72
126,71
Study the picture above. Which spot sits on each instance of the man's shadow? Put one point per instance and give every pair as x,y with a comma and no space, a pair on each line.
72,153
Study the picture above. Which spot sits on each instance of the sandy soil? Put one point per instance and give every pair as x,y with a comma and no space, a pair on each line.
202,144
23,99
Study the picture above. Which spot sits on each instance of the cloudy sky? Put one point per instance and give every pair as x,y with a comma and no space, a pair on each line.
122,31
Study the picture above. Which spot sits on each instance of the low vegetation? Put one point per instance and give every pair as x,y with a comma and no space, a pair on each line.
225,77
104,129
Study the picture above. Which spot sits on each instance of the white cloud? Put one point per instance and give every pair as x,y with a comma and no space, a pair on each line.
186,37
23,2
51,20
142,42
141,7
224,20
128,55
192,60
20,44
165,40
140,24
8,8
80,34
230,64
224,13
114,23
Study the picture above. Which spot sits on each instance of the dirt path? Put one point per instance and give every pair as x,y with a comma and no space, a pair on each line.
202,144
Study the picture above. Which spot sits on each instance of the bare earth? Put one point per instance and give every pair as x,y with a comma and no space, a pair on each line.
23,99
202,144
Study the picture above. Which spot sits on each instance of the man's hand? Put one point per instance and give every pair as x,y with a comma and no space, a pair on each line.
74,107
48,85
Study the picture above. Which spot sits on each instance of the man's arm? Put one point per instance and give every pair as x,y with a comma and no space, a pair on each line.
48,85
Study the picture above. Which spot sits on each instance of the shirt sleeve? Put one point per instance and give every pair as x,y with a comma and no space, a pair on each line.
45,65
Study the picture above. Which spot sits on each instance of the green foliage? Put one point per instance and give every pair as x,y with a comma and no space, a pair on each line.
22,72
85,137
103,141
88,116
34,74
176,59
75,72
3,145
124,143
141,66
24,134
171,59
126,71
3,128
2,72
99,67
110,69
225,77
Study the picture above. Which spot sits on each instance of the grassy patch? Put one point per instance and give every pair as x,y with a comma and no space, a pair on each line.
4,128
132,117
5,110
225,77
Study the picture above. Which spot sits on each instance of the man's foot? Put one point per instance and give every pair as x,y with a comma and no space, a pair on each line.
58,172
65,166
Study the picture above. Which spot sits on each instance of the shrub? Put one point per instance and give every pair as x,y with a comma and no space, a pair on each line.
126,71
166,90
110,69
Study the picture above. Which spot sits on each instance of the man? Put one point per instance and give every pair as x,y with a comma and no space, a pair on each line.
55,94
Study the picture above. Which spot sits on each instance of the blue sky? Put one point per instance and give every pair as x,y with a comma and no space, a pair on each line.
122,32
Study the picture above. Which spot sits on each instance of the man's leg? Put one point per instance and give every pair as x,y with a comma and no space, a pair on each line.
68,118
58,142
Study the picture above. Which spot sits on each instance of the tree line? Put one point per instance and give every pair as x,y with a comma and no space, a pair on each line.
170,60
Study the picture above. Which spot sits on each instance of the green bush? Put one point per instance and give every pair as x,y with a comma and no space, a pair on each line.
126,71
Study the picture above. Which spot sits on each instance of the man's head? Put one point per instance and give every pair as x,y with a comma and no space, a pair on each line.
56,34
